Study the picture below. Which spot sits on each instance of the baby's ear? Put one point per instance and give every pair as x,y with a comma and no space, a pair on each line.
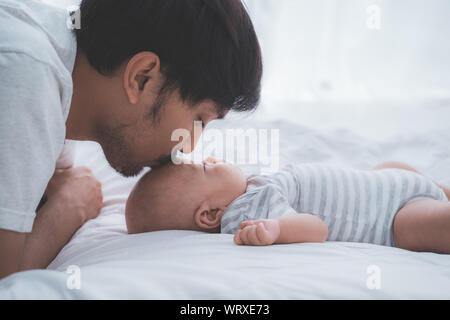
207,218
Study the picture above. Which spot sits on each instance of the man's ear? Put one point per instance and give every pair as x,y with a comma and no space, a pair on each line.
207,218
141,68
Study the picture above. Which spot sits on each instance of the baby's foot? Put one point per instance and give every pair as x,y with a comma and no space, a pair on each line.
258,232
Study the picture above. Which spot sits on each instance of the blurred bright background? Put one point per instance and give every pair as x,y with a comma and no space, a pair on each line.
376,67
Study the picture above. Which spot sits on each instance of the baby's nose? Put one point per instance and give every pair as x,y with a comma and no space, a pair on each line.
187,161
213,160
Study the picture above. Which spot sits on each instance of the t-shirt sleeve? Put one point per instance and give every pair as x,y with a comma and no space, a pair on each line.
279,205
270,203
233,217
267,203
32,130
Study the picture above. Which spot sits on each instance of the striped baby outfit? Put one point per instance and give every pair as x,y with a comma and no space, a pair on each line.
356,205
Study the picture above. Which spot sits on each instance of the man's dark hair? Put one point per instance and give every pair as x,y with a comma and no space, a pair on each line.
208,48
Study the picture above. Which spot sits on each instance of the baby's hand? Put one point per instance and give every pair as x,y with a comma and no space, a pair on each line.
257,233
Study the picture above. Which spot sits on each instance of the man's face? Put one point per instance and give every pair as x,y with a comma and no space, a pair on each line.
147,140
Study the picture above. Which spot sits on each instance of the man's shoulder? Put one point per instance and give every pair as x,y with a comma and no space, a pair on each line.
24,30
18,33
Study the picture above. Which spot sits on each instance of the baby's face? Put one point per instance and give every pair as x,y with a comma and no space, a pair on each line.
216,180
184,196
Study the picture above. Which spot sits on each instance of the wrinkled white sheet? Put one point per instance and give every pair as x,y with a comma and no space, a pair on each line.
193,265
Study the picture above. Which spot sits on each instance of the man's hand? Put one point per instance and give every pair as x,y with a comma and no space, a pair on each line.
79,188
74,197
258,233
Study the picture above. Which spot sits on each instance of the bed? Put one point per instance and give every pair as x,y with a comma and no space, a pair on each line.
187,265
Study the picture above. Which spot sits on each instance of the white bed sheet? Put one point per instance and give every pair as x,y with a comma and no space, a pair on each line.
194,265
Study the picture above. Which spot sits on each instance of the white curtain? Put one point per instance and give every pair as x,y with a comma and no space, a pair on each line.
354,49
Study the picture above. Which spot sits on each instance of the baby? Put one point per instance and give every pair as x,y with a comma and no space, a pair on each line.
392,205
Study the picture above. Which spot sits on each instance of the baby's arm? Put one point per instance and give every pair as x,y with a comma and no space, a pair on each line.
294,228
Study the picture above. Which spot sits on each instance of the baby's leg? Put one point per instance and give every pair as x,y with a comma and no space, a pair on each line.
395,165
424,226
404,166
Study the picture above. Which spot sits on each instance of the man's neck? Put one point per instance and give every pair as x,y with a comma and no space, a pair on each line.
81,119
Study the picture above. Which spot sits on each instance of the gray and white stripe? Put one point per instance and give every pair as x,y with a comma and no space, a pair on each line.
356,205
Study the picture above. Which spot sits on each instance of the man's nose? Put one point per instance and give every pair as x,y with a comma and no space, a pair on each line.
196,134
191,142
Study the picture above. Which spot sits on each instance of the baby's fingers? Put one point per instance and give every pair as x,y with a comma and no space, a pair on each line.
240,238
262,234
257,233
243,235
245,224
237,238
253,237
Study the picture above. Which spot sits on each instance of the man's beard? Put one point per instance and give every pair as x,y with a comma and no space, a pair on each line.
118,152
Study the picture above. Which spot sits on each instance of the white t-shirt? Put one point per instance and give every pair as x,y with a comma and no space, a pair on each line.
37,56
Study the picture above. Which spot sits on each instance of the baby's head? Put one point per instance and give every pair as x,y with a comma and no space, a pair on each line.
188,196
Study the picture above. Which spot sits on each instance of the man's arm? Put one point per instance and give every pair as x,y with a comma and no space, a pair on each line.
11,251
74,197
52,229
295,228
32,127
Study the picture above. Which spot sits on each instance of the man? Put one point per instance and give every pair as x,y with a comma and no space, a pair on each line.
133,72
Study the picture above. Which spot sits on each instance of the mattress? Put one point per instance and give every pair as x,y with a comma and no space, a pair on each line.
110,264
